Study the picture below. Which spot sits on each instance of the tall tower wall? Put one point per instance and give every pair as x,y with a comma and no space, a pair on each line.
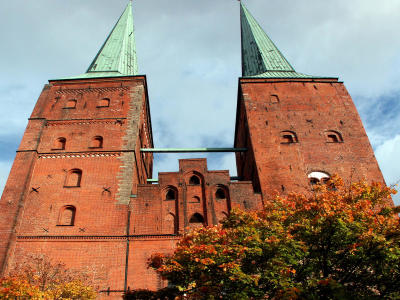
77,166
313,111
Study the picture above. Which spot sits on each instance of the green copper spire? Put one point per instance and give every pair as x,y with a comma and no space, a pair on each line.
260,57
117,56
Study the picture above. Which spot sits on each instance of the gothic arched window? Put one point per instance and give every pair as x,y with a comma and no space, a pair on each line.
196,218
220,194
170,195
67,216
74,178
194,180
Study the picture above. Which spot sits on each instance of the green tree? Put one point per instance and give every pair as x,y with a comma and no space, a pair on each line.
339,242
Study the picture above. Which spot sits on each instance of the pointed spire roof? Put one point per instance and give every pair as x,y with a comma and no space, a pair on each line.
260,57
117,56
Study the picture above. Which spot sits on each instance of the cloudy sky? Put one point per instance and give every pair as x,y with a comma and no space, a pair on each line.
190,52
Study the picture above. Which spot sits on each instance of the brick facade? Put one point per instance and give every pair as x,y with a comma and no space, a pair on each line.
78,190
327,134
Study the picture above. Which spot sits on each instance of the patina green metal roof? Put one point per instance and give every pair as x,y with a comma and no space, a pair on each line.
117,56
260,57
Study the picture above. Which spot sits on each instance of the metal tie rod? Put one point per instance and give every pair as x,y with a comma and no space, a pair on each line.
151,180
191,150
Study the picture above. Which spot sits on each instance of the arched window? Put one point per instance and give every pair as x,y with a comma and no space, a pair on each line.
288,137
74,178
96,142
220,194
194,180
171,195
67,216
318,177
333,137
70,103
196,218
105,102
59,144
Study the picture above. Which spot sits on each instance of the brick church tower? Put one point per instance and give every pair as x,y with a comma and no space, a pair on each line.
299,129
78,164
78,190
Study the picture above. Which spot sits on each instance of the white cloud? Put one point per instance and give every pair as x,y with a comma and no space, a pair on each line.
388,156
190,52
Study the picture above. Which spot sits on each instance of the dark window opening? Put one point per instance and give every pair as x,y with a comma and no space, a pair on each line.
333,137
220,194
171,195
196,218
194,180
288,137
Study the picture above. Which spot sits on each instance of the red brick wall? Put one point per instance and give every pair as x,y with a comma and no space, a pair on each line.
309,108
113,185
36,192
153,213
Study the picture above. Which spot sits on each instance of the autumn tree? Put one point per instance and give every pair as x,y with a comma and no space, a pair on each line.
339,242
37,277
